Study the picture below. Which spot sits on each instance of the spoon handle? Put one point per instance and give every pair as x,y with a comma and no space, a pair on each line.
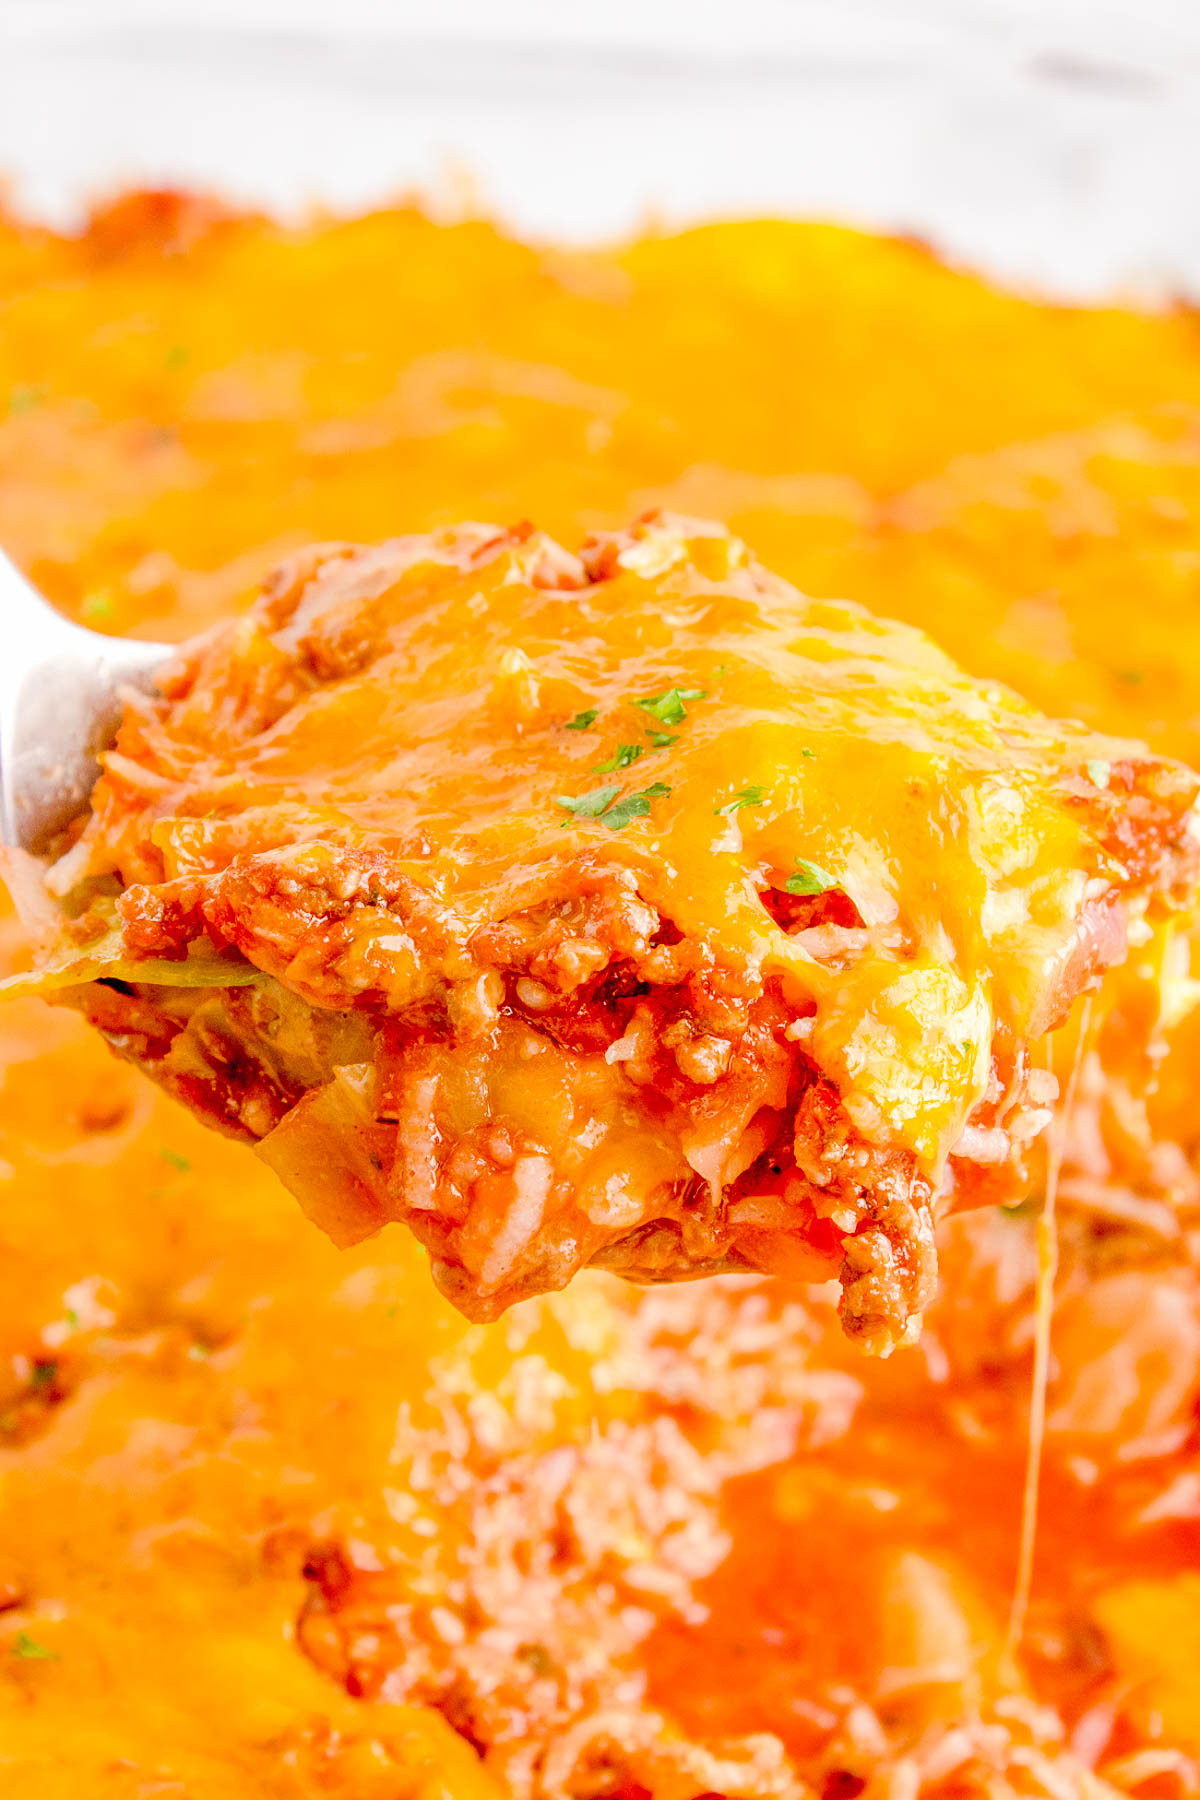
59,708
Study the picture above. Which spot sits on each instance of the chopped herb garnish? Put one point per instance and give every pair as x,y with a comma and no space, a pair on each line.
621,759
634,806
45,1371
177,1162
583,720
810,878
97,606
747,796
805,752
72,1318
588,806
668,707
177,355
1131,677
391,1311
1099,772
27,1649
602,804
23,398
660,739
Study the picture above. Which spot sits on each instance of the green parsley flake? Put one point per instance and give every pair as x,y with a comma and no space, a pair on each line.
72,1318
98,605
668,707
810,878
660,739
1131,677
633,806
177,355
27,1649
625,754
1099,772
747,796
44,1373
23,398
602,804
177,1162
588,806
583,720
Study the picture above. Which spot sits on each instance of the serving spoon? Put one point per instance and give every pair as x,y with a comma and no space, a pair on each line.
60,704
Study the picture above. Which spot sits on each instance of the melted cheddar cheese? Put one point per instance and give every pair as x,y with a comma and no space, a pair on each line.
274,1520
758,986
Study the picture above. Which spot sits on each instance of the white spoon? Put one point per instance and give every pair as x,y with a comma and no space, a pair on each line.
60,704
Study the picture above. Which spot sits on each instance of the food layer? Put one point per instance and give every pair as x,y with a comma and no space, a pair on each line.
274,1520
627,908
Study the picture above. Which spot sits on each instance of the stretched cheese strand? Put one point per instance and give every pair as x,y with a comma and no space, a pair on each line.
1047,1254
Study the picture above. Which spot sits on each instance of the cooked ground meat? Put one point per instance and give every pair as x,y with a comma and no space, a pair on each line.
628,909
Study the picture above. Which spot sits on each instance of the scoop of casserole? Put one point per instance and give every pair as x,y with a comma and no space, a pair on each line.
627,908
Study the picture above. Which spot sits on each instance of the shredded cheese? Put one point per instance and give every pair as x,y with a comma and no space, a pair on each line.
1047,1271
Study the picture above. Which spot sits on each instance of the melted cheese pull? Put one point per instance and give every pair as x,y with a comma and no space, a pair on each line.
627,908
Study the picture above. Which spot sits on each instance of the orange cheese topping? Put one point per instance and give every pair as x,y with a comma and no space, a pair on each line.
282,1522
663,916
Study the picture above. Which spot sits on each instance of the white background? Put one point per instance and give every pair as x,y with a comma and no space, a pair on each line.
1056,143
